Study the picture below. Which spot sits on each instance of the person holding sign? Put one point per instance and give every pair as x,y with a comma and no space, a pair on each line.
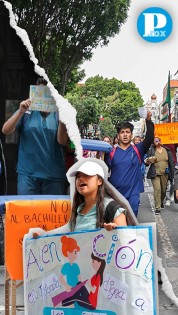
89,210
95,202
41,165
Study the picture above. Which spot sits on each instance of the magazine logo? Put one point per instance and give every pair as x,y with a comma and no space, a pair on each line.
154,24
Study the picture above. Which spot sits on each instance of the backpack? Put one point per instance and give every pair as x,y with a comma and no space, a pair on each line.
133,146
110,212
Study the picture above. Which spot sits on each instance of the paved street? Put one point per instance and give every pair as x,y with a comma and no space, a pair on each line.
167,245
167,239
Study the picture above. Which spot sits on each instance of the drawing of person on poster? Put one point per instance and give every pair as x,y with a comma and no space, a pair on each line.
83,297
70,272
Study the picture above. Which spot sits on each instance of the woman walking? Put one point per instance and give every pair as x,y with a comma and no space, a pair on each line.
161,169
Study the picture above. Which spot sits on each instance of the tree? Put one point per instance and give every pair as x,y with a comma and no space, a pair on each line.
107,128
101,87
117,100
125,107
87,110
64,32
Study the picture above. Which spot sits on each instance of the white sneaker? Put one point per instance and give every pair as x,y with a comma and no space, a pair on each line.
167,203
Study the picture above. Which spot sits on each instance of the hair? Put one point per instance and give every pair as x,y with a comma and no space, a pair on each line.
108,138
68,245
101,268
115,139
125,125
41,81
156,138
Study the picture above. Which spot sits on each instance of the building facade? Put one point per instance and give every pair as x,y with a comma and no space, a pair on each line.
16,75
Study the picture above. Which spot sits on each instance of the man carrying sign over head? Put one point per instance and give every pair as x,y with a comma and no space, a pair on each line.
41,164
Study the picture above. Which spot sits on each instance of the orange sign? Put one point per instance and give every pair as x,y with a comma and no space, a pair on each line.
23,215
168,133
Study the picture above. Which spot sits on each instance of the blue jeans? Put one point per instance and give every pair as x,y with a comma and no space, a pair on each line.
134,203
28,185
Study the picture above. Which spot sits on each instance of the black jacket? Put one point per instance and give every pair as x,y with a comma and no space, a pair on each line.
149,137
176,178
152,171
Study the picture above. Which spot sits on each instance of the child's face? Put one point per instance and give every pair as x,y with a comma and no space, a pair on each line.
72,256
86,184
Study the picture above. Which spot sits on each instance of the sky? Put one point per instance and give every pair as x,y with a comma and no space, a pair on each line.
128,57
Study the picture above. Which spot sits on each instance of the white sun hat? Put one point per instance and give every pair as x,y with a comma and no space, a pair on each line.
89,168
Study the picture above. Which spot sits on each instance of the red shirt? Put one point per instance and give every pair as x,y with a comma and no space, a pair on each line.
95,281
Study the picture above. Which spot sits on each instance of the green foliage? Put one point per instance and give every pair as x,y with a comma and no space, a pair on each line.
117,100
107,128
64,32
113,99
87,110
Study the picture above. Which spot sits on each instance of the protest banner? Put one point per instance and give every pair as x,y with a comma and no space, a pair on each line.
41,99
168,132
23,215
91,272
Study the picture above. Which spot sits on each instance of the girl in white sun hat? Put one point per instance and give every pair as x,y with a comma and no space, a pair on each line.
95,202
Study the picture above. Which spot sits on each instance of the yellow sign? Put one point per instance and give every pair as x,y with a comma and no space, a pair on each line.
168,133
23,215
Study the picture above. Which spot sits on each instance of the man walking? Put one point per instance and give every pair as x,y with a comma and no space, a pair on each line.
125,162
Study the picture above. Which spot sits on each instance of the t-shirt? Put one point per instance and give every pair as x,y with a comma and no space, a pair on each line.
71,272
40,155
162,161
88,221
95,282
125,169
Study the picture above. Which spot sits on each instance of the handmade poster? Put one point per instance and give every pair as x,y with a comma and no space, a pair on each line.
168,132
41,99
23,215
94,272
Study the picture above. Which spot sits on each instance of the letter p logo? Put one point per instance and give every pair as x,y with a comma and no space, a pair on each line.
154,24
153,21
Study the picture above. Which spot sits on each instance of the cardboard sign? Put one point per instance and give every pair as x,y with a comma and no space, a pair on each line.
41,99
23,215
168,133
94,272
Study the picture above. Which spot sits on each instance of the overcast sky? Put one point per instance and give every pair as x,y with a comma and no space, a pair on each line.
130,58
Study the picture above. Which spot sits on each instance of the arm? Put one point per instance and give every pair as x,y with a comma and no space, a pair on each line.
62,280
35,232
62,135
149,137
120,220
11,123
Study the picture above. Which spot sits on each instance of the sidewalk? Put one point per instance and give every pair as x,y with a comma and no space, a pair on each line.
169,258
